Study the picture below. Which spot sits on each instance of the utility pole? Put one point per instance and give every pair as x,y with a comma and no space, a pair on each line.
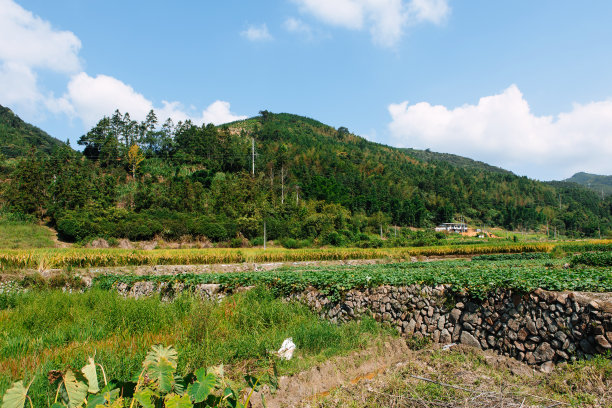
381,231
282,184
253,155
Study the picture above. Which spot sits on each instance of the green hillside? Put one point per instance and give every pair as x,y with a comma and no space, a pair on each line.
457,161
595,182
17,137
311,183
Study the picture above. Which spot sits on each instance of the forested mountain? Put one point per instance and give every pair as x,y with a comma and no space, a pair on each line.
304,179
17,137
458,161
595,182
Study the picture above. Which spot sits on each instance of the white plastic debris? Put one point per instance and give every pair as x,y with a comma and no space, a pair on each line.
448,346
287,349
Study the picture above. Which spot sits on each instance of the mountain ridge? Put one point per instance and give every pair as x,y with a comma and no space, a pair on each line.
596,182
18,137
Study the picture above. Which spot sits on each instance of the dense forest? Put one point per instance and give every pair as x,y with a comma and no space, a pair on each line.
305,180
595,182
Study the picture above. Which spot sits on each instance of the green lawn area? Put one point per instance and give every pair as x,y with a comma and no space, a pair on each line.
24,235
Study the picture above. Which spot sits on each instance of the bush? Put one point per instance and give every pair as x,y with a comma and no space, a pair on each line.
333,238
291,243
211,230
76,227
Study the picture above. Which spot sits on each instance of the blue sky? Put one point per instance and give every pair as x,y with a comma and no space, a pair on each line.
519,84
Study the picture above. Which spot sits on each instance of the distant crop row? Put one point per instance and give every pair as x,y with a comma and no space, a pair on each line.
87,258
593,259
478,279
509,257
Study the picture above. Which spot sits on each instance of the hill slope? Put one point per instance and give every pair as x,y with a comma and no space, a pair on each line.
305,180
17,137
595,182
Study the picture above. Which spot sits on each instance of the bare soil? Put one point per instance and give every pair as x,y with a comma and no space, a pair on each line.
391,374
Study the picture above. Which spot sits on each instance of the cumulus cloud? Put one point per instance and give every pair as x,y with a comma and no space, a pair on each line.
218,113
385,19
257,33
501,130
91,98
28,40
29,44
41,47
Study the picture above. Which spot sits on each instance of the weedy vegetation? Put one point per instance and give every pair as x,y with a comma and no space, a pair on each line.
43,330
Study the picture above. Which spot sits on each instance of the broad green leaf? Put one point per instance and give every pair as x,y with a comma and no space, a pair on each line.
57,405
75,388
199,390
95,400
158,352
145,397
89,371
180,385
177,401
15,396
162,373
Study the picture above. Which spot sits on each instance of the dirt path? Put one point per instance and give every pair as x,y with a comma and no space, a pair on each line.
391,374
320,380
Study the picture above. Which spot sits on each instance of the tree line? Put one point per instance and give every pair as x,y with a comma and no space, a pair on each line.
312,184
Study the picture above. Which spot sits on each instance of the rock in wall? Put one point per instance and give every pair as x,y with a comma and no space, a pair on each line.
539,328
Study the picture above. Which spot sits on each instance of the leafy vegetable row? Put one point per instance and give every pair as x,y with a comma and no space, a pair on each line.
593,259
477,279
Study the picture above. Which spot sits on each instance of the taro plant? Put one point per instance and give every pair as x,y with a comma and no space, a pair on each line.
158,386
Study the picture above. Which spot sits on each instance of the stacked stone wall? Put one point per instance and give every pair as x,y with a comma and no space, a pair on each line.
538,328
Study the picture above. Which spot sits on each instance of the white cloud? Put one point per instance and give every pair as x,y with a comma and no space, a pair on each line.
28,40
502,130
18,86
218,113
385,19
297,26
92,98
257,33
29,44
434,11
343,13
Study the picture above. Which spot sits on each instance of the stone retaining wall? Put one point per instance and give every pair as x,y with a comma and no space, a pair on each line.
540,328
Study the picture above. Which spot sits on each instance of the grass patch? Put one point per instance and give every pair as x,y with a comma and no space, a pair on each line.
49,330
24,235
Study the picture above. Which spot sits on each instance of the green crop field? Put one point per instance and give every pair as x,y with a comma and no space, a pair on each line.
44,329
477,278
85,258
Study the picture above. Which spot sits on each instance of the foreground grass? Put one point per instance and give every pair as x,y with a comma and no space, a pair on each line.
42,331
24,235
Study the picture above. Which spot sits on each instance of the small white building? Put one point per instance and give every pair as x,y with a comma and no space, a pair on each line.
452,227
